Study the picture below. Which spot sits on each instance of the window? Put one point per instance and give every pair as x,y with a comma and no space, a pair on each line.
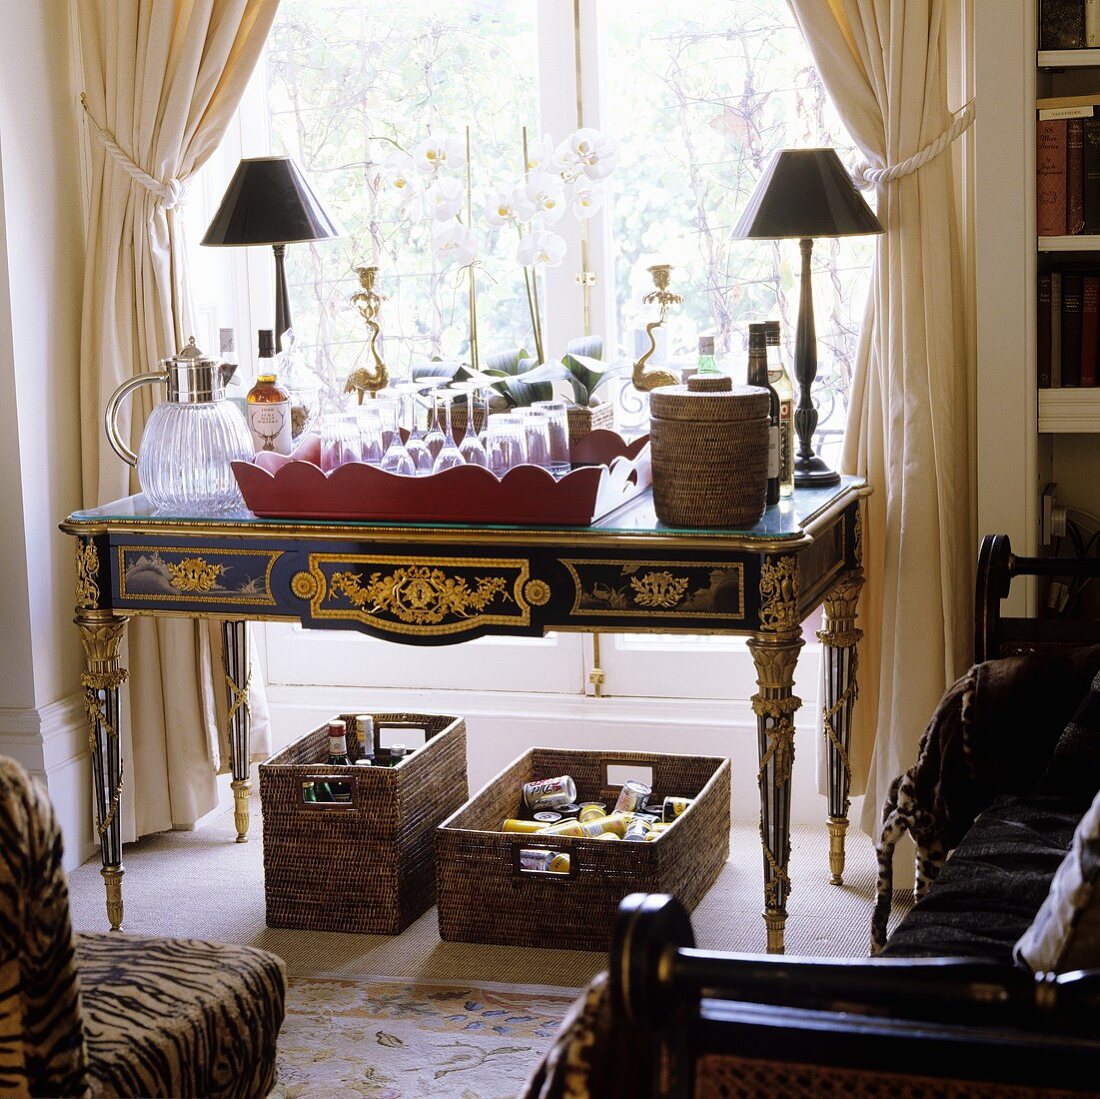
698,95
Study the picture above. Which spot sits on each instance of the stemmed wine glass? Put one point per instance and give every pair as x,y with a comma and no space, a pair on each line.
397,458
435,439
449,455
471,448
415,445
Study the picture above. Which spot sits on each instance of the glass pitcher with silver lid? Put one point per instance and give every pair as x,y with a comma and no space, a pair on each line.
190,438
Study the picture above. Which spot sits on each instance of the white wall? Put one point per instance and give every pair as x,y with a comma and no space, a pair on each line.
41,275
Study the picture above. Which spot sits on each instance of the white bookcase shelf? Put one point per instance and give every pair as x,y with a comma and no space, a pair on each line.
1067,59
1081,242
1069,411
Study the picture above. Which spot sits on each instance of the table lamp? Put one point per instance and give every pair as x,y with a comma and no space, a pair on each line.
268,201
806,193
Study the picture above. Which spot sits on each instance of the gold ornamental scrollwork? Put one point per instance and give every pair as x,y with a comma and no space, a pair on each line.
87,569
857,534
419,594
305,585
537,593
194,574
779,594
658,589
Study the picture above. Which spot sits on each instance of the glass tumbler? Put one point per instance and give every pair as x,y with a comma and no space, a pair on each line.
371,435
536,430
506,444
557,415
339,440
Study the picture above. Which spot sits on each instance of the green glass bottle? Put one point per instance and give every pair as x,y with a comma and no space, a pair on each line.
338,757
705,364
308,792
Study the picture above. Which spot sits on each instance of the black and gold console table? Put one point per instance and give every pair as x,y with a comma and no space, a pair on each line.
435,584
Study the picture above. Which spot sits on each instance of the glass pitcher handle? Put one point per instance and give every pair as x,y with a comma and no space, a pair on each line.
110,413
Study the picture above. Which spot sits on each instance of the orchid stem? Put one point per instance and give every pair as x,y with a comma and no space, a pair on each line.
530,275
470,270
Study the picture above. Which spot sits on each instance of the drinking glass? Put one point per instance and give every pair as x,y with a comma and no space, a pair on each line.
536,430
435,439
557,415
415,445
471,448
339,440
449,455
371,447
507,446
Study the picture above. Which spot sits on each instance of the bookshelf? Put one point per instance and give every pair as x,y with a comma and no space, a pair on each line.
1026,438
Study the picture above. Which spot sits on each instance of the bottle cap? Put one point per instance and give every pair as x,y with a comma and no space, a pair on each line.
757,336
706,345
227,340
267,343
363,763
336,727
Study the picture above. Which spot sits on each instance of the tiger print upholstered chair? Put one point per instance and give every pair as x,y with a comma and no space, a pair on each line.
110,1014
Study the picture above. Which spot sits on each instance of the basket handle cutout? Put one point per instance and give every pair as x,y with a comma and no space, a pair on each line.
544,862
328,792
615,774
397,732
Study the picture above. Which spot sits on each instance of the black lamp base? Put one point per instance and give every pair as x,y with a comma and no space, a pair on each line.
812,472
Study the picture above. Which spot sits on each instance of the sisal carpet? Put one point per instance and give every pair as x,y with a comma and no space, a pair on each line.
410,1015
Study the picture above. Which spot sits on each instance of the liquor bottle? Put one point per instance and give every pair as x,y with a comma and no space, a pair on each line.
269,402
338,757
364,735
705,364
308,792
781,381
758,376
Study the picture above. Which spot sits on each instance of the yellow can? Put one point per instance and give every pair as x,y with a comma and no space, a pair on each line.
592,810
613,822
607,836
511,825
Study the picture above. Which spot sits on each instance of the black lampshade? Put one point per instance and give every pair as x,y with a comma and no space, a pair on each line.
806,193
268,201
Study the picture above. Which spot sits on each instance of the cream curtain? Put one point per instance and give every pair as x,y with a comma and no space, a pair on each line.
163,78
884,65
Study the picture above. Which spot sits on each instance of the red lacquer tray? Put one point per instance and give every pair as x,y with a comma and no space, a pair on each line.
526,495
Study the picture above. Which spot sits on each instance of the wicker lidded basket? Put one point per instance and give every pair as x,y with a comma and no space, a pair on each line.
710,452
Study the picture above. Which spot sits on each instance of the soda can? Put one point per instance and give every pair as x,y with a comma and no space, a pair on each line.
550,862
548,817
632,797
574,828
671,808
614,822
607,836
513,825
572,810
549,793
637,830
590,810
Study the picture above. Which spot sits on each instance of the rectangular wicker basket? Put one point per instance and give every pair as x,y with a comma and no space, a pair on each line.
484,895
367,865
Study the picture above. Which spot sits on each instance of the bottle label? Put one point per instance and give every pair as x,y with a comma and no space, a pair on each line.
338,745
773,452
270,426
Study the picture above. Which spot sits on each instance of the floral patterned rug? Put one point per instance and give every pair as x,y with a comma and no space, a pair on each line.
387,1038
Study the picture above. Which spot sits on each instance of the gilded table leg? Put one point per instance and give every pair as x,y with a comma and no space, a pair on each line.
839,639
775,656
238,677
102,633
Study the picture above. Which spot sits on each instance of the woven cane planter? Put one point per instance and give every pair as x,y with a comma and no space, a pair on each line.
367,865
583,420
710,453
485,895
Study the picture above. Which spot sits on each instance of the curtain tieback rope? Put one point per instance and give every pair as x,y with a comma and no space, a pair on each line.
171,194
865,177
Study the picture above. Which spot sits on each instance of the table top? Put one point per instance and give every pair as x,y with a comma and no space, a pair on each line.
789,523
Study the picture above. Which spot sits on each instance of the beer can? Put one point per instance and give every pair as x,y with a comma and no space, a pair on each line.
573,810
613,822
607,836
637,830
551,862
590,810
632,797
513,825
589,830
671,808
548,817
549,793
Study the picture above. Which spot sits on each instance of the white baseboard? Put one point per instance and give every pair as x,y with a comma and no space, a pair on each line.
501,726
52,744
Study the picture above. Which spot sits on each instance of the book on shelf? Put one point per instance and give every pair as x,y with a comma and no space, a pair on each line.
1050,178
1062,24
1075,175
1067,330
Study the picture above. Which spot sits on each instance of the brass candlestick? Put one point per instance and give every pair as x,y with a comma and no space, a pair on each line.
664,298
368,301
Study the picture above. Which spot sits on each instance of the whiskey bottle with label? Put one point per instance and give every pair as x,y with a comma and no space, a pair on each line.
781,381
268,402
338,757
758,376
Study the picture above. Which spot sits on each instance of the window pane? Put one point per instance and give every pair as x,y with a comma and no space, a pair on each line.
699,96
352,82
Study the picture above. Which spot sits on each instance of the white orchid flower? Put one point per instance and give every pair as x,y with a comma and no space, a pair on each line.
399,173
453,243
541,249
594,152
587,200
548,196
437,154
505,208
446,198
540,155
